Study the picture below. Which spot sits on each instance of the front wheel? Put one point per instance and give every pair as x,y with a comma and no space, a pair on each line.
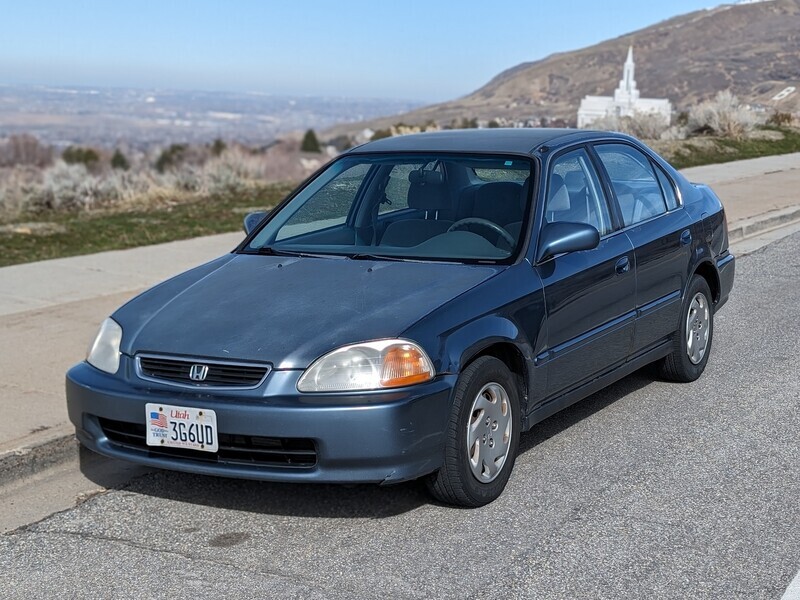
482,436
691,346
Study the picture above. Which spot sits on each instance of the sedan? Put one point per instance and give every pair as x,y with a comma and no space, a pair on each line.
410,310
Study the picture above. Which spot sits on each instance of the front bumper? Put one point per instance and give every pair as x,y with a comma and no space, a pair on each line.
379,437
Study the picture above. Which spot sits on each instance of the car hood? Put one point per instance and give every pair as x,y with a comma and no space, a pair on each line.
285,310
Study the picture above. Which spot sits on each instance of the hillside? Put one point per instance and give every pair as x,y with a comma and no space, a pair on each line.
751,49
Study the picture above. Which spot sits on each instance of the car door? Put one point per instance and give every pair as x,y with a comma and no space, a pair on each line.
660,231
589,295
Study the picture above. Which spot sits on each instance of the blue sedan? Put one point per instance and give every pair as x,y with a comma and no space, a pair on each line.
410,310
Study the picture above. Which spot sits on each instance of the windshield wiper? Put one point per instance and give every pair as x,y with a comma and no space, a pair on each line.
368,256
271,251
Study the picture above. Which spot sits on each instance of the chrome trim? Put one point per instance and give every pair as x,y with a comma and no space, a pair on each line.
199,360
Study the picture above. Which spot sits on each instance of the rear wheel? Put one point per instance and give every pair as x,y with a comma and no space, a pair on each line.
482,436
692,344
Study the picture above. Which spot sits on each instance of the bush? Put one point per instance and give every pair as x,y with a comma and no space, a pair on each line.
723,116
647,126
170,158
380,134
218,147
780,119
65,187
310,142
119,161
75,155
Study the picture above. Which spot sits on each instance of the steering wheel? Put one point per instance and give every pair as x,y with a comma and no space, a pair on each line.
485,223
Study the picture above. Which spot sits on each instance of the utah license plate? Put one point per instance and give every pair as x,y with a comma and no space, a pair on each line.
181,427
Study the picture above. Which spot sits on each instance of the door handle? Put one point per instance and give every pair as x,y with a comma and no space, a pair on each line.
623,265
686,237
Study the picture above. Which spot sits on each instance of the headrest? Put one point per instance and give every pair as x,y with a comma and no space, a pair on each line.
425,177
431,195
558,196
499,202
575,181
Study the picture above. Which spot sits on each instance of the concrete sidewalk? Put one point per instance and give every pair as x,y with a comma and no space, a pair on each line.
50,310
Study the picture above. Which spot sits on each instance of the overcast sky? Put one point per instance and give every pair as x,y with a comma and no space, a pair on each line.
428,51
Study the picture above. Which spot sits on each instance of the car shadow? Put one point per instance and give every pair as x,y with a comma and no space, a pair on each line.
563,420
321,500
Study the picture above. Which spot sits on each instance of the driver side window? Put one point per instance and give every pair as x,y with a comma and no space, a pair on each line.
574,193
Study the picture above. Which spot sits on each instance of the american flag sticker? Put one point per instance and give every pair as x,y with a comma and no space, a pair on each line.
158,419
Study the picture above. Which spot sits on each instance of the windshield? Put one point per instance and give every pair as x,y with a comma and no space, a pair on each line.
405,207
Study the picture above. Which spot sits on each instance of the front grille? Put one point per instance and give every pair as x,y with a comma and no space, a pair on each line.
219,374
233,449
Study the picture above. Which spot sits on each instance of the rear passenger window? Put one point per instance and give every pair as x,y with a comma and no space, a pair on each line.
635,184
668,189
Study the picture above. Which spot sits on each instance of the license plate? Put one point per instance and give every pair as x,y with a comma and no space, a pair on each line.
181,427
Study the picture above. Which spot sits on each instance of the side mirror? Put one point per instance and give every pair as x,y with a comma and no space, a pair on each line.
558,238
252,220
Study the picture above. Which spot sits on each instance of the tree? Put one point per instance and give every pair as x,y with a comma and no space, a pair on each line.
171,157
218,147
310,142
75,155
118,161
493,124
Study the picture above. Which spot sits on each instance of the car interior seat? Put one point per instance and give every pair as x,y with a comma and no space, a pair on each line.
427,192
498,202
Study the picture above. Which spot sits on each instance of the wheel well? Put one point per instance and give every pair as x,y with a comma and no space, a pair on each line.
514,360
707,271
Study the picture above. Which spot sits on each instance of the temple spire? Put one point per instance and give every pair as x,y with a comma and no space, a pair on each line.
628,83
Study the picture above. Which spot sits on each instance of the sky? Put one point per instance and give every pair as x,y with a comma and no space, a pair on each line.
427,51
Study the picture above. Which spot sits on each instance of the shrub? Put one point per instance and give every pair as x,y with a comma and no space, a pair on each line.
310,142
75,155
380,134
780,119
723,116
648,126
234,173
218,147
119,161
170,158
493,124
65,187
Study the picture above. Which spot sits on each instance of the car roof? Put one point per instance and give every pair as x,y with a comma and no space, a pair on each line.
516,141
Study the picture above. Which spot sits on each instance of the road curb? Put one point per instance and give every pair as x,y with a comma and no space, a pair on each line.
760,223
29,460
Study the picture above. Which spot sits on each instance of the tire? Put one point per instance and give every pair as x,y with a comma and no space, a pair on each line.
685,363
475,475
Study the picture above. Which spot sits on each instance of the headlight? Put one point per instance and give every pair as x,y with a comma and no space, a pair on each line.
104,351
368,366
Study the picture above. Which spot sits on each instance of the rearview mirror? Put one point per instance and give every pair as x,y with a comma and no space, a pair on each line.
558,238
252,220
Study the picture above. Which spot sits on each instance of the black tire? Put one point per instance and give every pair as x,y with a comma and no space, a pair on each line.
677,366
454,483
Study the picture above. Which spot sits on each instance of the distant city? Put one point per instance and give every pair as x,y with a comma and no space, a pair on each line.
140,118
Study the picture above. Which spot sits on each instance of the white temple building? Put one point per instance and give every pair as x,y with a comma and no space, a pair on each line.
624,103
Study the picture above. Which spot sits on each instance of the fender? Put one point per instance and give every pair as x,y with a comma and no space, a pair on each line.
467,342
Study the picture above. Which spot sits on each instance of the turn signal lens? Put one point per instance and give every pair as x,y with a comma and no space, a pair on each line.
368,366
405,365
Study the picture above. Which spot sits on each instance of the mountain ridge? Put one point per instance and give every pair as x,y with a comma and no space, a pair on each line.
752,49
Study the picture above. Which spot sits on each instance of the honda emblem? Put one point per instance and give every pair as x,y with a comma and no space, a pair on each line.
198,372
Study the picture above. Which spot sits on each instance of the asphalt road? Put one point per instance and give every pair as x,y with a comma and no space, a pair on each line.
644,490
